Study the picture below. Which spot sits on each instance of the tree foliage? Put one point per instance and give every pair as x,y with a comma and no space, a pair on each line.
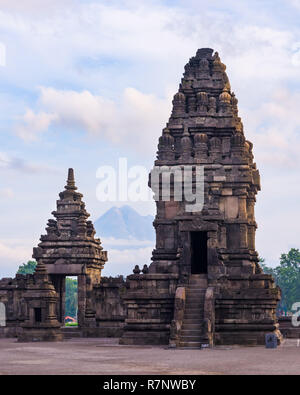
27,268
71,297
71,288
287,277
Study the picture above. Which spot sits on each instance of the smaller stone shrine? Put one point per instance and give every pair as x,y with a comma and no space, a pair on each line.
41,298
70,249
34,304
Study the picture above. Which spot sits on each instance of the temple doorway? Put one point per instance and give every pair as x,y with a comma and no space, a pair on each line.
71,301
198,252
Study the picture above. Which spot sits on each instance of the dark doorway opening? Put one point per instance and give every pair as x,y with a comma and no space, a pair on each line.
198,252
38,314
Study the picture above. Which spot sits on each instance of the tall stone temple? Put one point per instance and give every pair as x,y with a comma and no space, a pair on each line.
204,285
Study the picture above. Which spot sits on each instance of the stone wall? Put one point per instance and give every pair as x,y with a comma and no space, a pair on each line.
149,301
12,296
287,329
109,306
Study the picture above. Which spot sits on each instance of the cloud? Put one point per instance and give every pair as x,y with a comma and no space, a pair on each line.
110,242
123,261
33,124
12,254
90,44
32,6
6,193
274,128
105,44
8,162
136,120
294,3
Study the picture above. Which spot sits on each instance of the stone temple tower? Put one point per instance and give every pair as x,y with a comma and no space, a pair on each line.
70,249
204,285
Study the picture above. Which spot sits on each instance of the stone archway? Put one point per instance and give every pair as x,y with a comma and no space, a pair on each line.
70,249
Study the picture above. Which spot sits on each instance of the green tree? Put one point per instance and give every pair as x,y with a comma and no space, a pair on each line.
71,297
287,277
27,268
71,288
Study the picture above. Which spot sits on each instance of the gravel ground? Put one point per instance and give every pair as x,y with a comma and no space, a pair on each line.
105,356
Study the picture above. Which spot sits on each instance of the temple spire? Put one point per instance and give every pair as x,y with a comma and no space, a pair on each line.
71,180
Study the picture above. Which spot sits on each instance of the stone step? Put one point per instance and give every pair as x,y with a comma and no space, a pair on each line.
195,294
195,305
199,287
194,321
193,310
194,299
199,284
194,317
190,332
192,325
69,333
188,339
72,335
195,277
197,302
188,327
185,344
196,287
198,281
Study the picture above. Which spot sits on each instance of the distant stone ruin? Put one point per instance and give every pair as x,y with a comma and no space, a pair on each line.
205,285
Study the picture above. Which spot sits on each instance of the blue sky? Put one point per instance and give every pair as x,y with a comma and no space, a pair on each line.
87,82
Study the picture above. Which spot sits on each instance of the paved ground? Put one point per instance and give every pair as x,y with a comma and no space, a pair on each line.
105,356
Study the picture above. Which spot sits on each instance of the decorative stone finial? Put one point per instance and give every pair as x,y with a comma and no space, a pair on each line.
145,269
136,269
71,180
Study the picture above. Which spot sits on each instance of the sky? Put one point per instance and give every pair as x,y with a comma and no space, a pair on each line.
85,82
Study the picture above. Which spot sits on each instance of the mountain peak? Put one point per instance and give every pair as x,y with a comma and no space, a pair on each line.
125,223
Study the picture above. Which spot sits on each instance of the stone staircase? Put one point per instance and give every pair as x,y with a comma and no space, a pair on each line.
191,335
71,332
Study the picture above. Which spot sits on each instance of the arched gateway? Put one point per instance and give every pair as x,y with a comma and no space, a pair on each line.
70,249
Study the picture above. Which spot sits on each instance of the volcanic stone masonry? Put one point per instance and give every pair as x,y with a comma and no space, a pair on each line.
70,249
205,285
35,304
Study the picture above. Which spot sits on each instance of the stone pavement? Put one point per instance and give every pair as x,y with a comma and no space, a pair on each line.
105,356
